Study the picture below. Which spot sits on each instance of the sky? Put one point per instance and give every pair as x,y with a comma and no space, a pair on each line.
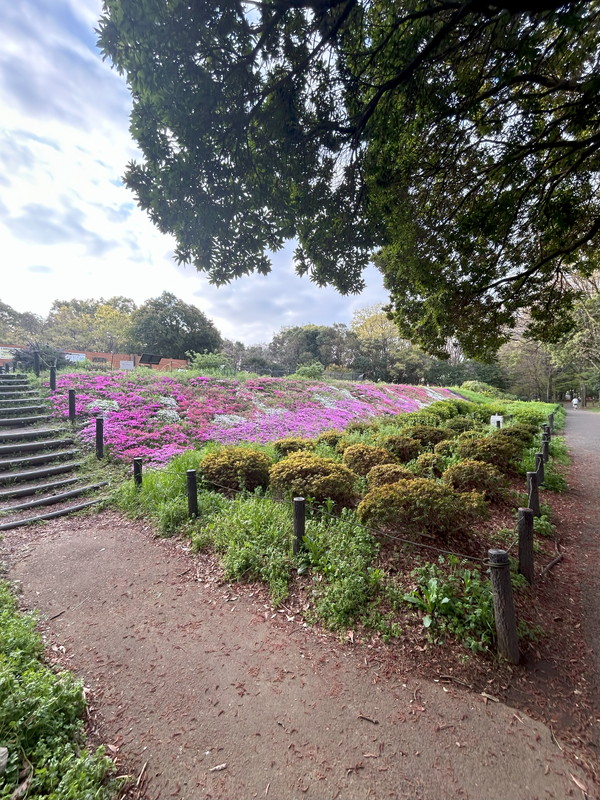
68,226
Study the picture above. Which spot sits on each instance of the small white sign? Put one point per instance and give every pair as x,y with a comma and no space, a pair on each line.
497,421
75,357
126,364
6,352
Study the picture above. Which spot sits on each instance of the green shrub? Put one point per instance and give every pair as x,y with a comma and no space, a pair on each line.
457,600
312,371
330,438
232,468
522,433
419,506
403,448
342,551
254,538
41,720
383,474
308,475
359,426
497,450
283,447
428,435
460,424
478,476
445,449
554,480
361,458
429,465
443,409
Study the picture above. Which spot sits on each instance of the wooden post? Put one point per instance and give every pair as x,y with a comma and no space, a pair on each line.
99,437
504,609
137,471
36,363
52,379
546,429
551,422
72,405
192,492
299,524
539,467
546,448
532,491
525,528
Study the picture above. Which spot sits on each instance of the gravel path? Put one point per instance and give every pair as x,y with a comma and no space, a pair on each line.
212,695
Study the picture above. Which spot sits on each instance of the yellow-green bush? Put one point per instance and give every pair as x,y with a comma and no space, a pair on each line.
330,438
428,435
445,449
232,468
383,474
420,507
361,458
403,447
291,444
497,450
429,465
308,475
460,424
471,475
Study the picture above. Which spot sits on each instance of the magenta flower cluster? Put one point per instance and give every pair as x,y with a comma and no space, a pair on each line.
156,416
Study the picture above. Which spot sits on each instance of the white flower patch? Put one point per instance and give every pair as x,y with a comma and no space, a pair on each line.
228,420
324,400
103,405
168,402
167,415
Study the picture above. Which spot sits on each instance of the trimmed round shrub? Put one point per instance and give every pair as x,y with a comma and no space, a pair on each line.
420,507
460,424
403,447
443,409
232,468
361,458
428,435
445,449
471,475
330,438
343,443
429,465
520,433
283,447
468,436
383,474
308,475
497,450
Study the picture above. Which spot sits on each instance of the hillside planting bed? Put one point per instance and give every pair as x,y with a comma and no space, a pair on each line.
156,416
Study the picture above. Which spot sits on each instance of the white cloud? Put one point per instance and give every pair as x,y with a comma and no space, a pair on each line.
69,228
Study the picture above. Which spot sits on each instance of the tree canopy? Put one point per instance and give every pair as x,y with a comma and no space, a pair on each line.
169,327
456,139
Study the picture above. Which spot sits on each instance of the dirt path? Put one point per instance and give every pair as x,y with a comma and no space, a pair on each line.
188,676
583,438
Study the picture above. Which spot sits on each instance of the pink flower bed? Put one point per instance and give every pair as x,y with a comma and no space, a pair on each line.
157,417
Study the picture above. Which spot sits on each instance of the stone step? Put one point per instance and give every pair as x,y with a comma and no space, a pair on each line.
28,434
7,526
50,499
24,420
33,474
29,409
41,458
9,390
19,401
27,491
32,447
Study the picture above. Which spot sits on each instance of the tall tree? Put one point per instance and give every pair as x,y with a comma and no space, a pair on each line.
169,327
459,136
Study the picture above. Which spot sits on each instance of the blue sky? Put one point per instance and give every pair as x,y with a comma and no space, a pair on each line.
69,228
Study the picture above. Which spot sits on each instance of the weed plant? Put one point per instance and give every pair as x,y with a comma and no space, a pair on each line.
41,721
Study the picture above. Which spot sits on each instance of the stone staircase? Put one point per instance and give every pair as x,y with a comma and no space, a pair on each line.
42,474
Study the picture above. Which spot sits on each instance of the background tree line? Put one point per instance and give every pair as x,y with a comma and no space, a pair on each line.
370,346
